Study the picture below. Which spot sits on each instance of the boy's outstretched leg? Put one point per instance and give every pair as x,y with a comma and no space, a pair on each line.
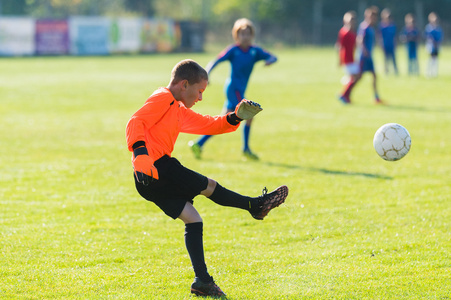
266,201
258,207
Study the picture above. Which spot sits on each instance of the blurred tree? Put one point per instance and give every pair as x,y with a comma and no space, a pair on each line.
64,8
183,10
143,7
12,7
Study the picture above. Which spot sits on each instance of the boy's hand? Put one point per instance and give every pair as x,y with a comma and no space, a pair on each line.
270,60
247,109
145,171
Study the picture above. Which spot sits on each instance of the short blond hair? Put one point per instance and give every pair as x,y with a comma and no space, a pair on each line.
242,24
348,16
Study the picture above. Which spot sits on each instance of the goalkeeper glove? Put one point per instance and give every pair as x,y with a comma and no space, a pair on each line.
143,167
247,109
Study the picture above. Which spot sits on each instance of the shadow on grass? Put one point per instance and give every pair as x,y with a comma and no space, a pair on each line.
330,172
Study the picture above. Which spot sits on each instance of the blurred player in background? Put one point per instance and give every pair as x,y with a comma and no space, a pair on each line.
387,29
410,35
242,57
434,36
366,38
151,134
365,43
345,45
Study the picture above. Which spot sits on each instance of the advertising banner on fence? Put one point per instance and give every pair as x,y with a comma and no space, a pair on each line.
125,35
17,36
89,35
52,37
158,35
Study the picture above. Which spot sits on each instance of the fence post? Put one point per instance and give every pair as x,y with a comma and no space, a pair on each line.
419,12
317,21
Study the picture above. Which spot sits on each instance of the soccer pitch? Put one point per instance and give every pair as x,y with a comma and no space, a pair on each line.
354,226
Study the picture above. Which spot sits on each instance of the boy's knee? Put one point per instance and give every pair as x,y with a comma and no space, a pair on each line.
210,188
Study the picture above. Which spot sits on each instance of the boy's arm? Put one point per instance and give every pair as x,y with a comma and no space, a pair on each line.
223,56
272,59
143,166
361,43
268,57
338,42
338,46
196,123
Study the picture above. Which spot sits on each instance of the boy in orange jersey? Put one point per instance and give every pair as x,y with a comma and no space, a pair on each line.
151,134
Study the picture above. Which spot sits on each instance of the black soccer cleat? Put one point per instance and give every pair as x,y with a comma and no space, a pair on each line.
266,201
203,289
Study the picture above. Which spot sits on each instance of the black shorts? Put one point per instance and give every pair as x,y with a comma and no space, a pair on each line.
176,186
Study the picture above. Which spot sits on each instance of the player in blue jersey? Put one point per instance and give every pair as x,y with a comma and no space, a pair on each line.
366,38
387,29
242,57
434,36
410,35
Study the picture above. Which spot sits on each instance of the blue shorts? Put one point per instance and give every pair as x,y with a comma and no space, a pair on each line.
234,96
366,64
176,186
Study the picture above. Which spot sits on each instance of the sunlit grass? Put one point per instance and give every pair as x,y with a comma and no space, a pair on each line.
353,227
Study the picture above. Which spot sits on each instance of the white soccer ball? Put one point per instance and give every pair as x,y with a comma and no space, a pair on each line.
392,141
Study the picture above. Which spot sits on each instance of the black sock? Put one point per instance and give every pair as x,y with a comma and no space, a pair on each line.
195,246
225,197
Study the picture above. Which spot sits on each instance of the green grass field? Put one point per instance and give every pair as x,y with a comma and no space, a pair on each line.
354,226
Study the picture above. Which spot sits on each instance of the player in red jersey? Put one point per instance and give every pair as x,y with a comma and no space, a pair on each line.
151,134
346,43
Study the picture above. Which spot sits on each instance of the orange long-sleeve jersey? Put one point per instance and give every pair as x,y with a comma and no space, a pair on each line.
160,120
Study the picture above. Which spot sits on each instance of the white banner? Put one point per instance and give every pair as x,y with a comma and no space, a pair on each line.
125,35
17,36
